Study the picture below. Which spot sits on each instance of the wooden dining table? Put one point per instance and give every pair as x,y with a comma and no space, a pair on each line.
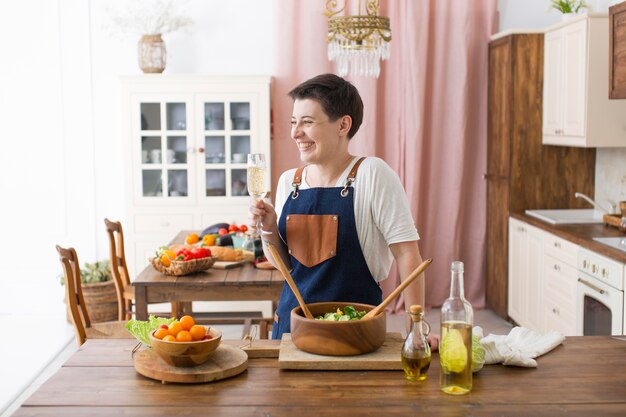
585,376
243,283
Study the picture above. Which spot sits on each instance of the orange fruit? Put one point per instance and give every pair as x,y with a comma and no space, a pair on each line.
166,260
197,332
209,240
161,333
174,328
192,238
183,336
169,338
187,322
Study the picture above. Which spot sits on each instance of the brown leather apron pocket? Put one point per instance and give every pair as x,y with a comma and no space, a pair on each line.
312,238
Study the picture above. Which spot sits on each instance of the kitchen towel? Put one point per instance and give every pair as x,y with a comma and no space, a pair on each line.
519,348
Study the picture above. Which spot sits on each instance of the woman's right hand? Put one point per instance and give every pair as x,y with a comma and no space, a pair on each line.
263,212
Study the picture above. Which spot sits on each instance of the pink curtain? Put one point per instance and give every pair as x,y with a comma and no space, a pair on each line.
425,116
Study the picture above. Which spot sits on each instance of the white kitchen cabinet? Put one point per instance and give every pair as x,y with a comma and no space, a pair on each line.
525,274
187,138
559,285
576,106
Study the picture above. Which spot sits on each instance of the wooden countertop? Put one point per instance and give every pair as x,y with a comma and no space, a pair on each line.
580,234
582,377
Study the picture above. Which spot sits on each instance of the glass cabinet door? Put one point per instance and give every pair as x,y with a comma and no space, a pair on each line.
227,141
164,142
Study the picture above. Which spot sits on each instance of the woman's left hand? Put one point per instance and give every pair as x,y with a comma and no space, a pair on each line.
433,341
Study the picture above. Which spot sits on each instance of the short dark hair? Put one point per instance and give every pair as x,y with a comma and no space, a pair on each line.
337,96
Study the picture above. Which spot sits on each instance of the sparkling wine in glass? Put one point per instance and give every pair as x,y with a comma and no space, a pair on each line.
258,187
257,176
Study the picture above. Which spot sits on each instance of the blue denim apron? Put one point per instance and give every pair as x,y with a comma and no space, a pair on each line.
342,274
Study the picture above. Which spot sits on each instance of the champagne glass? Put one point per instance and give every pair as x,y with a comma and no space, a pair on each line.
258,186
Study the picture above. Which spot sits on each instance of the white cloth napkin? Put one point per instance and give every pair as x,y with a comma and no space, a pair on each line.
519,348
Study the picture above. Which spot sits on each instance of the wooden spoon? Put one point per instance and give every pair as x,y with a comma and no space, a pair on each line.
283,269
380,307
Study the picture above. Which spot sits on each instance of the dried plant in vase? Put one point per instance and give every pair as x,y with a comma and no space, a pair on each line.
150,20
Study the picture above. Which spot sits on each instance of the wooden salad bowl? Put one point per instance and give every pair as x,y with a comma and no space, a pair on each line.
187,354
337,338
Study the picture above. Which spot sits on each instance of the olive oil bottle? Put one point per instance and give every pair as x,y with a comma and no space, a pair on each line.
455,349
415,353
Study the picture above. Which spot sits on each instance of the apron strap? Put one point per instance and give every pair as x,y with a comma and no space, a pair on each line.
297,179
351,177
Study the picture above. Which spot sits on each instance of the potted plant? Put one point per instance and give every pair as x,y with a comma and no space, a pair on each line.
99,291
569,7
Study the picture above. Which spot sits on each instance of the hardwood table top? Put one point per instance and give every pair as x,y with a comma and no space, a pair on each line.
586,376
243,283
246,274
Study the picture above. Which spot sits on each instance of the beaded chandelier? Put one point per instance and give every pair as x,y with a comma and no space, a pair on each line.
359,42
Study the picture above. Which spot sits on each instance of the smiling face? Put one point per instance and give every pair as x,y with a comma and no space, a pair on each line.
319,139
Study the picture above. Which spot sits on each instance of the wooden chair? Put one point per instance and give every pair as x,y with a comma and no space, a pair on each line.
119,270
76,303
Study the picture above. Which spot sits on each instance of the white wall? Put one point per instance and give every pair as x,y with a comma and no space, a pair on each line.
227,37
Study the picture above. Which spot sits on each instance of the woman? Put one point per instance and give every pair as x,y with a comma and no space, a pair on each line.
340,218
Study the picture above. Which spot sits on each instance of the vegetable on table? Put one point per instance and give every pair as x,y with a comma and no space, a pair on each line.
142,329
348,313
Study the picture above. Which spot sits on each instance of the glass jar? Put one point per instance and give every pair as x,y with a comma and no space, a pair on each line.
152,54
416,350
455,349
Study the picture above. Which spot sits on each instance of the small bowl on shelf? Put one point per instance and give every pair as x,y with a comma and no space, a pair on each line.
187,354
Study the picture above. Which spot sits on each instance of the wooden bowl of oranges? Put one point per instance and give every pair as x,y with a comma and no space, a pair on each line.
184,343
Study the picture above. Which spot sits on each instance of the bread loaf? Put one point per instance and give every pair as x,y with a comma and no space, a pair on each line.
225,253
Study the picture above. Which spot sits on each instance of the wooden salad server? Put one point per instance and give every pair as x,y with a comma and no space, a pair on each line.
290,281
380,307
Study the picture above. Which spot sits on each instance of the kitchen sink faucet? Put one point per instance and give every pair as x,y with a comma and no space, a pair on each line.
612,206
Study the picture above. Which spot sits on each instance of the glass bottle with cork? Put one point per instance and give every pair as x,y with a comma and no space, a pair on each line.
415,353
455,350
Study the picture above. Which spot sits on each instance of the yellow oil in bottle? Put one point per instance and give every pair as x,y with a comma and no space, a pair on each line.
455,353
415,355
415,368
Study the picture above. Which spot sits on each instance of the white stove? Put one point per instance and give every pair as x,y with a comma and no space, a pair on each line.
614,242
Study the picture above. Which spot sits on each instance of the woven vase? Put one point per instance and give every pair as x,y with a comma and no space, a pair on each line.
152,54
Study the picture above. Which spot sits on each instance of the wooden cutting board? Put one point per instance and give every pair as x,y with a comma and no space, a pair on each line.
387,357
227,264
227,361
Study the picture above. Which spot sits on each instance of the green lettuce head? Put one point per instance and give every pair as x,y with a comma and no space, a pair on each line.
142,329
478,354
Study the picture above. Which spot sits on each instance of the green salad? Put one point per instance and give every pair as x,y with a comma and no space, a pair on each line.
348,313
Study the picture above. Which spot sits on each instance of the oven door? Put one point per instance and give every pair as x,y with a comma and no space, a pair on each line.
599,307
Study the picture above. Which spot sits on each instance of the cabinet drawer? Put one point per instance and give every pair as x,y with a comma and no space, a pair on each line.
560,249
559,296
157,223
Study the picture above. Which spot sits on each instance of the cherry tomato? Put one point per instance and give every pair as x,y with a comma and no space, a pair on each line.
243,228
233,228
222,232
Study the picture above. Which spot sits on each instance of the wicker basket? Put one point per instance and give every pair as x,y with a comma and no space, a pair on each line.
183,268
101,301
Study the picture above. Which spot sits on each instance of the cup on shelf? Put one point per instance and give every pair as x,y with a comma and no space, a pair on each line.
239,157
155,156
144,157
171,156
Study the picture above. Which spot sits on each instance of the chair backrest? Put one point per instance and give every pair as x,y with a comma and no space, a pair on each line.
74,292
119,270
